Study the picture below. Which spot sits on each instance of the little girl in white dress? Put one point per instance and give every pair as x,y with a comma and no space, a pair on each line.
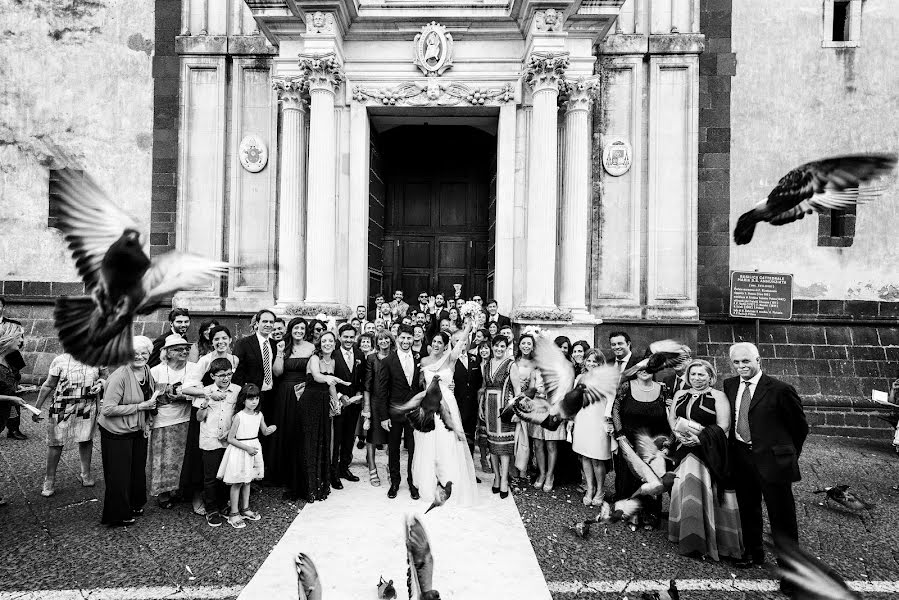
242,462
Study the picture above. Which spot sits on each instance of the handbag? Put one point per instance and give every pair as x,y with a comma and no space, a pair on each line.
682,425
299,388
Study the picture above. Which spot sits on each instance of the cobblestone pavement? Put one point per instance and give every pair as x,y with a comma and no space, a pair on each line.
57,543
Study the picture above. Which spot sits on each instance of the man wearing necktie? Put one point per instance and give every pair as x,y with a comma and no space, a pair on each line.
349,365
620,343
398,380
769,431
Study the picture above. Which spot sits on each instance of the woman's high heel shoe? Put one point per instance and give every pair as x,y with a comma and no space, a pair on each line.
504,495
495,490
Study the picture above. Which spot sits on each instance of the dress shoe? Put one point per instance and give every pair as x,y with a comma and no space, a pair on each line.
335,483
495,490
16,435
394,488
413,491
749,560
348,475
504,495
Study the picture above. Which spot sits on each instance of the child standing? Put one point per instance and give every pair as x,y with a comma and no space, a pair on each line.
216,411
242,462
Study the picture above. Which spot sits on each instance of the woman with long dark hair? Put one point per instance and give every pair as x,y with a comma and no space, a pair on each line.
204,341
375,434
290,369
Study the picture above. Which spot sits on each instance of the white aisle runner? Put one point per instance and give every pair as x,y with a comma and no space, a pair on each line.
356,536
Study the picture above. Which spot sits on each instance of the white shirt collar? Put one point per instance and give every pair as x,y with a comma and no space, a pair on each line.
260,339
624,358
754,380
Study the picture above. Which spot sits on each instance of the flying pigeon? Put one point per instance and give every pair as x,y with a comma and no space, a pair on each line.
421,408
666,354
386,591
419,562
581,529
308,583
121,279
843,497
831,183
650,450
672,594
441,495
813,579
563,398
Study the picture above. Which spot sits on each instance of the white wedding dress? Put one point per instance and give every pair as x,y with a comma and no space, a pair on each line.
439,454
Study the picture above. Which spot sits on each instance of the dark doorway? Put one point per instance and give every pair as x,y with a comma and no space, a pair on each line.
436,209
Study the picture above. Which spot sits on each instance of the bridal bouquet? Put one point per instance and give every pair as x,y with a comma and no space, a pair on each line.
469,309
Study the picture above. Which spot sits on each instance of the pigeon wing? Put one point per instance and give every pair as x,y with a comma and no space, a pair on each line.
600,383
556,370
813,578
175,271
89,221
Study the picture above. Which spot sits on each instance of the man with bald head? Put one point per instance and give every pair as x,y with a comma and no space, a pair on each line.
767,438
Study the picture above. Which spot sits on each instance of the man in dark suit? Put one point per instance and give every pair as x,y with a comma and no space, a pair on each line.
373,314
462,375
398,381
493,315
622,352
769,431
256,356
349,365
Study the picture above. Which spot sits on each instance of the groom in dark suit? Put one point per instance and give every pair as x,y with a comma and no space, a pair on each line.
769,431
349,365
398,381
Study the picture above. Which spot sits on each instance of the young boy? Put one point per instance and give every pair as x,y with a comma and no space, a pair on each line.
216,409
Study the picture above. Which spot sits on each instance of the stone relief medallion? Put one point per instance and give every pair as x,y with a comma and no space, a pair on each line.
617,156
433,49
253,153
319,22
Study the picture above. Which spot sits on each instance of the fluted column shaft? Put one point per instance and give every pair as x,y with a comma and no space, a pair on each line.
292,222
544,74
323,76
576,197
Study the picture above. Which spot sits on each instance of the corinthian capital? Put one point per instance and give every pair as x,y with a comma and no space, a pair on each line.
579,92
291,91
546,69
321,71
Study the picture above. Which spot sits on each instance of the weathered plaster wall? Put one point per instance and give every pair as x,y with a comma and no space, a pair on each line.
76,74
794,101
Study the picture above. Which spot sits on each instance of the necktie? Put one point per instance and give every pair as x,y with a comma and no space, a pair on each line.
407,367
267,363
620,364
743,417
348,359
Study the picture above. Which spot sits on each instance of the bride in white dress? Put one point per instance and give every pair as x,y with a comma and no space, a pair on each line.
442,455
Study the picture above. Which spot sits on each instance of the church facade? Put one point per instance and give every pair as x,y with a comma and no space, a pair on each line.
580,161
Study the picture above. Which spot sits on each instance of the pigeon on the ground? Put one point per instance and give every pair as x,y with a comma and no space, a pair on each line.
419,562
621,511
831,183
812,579
666,354
563,398
581,529
120,278
307,577
671,594
386,591
441,495
842,496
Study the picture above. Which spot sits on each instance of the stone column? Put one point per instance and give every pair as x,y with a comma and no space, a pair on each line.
323,75
576,197
544,73
292,222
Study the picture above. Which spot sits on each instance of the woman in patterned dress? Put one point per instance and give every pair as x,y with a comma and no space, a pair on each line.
502,383
704,519
72,417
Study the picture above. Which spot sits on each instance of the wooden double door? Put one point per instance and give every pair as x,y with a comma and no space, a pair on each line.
437,211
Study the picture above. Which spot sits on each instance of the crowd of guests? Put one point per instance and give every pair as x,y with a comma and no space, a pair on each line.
287,404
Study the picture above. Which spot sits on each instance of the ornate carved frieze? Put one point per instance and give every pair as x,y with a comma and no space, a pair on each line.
434,93
433,49
578,93
291,91
548,20
546,69
321,71
320,23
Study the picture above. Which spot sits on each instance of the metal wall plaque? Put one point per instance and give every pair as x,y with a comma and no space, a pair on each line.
253,153
757,295
617,156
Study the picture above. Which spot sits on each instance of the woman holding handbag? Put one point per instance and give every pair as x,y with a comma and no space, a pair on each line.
704,519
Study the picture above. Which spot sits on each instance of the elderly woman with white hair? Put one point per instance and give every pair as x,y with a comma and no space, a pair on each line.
12,337
124,417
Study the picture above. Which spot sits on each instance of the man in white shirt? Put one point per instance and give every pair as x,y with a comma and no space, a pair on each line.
349,365
620,343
